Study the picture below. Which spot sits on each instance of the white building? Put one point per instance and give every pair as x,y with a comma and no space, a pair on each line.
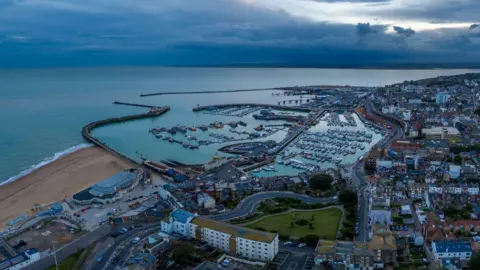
205,201
437,133
248,243
452,249
178,222
20,260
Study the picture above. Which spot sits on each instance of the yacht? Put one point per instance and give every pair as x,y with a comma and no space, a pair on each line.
337,160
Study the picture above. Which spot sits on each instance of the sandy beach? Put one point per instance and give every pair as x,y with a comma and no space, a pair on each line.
56,180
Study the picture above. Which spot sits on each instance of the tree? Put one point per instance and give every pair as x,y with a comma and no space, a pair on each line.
475,261
311,240
348,198
458,160
321,181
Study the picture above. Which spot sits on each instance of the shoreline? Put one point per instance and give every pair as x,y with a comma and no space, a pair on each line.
45,162
56,180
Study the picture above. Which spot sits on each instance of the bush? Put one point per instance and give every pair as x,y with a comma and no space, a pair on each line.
311,240
321,181
301,222
284,237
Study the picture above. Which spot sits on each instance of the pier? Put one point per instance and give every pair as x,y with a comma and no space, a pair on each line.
86,130
134,104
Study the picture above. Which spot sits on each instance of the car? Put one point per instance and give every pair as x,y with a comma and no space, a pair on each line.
301,245
287,243
20,244
335,197
125,229
135,240
405,227
100,259
115,234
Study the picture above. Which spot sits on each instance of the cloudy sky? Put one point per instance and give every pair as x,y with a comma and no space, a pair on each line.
36,33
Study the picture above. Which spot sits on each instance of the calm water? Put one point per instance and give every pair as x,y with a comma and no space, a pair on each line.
42,111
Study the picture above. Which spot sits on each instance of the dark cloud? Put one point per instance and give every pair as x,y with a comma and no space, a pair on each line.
473,26
405,32
183,32
364,29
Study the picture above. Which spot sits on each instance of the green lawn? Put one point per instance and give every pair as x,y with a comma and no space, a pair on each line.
325,223
68,263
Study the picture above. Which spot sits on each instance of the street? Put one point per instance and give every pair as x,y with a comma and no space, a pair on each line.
250,203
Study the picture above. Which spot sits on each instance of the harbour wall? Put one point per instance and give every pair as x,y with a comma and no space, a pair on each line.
271,106
86,130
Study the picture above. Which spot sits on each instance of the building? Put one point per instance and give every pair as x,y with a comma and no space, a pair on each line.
178,223
205,201
451,249
344,255
248,243
11,260
111,189
437,133
442,98
384,246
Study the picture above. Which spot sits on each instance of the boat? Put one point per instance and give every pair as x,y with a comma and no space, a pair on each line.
193,146
257,170
193,129
186,145
337,160
166,138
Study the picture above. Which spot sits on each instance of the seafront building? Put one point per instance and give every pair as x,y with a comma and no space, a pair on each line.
11,260
239,241
111,189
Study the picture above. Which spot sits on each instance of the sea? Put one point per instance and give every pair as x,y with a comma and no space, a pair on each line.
43,110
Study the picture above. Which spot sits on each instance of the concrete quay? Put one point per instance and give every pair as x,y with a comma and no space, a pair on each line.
86,130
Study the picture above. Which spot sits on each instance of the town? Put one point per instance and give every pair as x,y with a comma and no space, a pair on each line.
329,178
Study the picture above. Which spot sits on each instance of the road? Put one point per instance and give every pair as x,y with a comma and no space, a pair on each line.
250,203
82,242
358,178
126,238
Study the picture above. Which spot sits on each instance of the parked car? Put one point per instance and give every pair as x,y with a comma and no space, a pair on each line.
287,243
405,227
135,240
301,245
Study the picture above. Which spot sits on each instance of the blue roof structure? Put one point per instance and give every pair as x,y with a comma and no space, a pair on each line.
110,185
181,215
452,246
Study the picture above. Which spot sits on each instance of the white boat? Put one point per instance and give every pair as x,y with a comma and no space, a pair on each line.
337,160
257,170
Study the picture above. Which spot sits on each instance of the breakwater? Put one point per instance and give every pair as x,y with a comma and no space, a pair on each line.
207,92
134,104
86,130
277,107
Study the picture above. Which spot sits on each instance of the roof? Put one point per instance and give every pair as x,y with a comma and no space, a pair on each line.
383,239
235,231
181,215
443,246
115,182
5,264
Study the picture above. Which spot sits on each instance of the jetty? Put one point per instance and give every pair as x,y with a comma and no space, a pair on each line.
134,104
86,130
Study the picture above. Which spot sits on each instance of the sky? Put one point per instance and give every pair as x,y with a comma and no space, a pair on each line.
323,33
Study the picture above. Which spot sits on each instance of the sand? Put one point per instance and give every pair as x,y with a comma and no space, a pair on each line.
55,181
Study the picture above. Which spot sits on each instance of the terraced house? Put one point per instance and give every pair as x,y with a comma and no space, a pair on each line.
248,243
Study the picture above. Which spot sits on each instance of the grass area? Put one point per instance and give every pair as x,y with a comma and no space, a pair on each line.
324,223
69,263
418,255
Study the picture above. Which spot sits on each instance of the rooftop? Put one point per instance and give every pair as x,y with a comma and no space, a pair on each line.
182,215
115,182
443,246
235,231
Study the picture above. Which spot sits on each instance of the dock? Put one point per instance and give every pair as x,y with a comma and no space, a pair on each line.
271,106
134,104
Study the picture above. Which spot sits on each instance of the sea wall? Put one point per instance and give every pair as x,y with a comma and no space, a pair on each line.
271,106
86,130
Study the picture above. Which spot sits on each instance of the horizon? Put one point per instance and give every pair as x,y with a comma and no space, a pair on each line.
288,33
